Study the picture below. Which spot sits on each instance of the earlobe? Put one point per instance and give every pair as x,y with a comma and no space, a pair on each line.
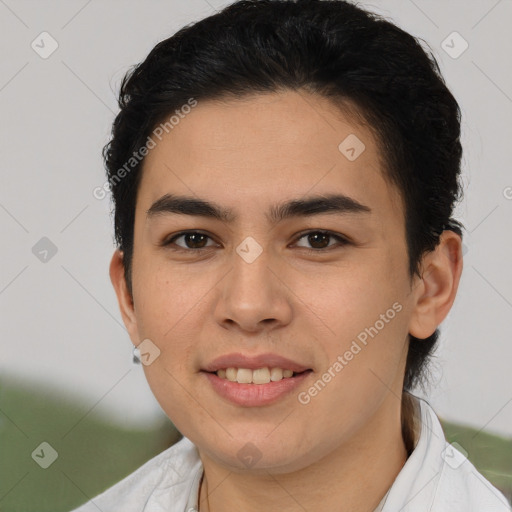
437,288
124,298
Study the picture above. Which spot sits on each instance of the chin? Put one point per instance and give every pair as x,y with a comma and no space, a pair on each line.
262,453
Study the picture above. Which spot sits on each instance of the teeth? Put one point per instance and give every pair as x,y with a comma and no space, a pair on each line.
244,376
230,374
276,374
258,376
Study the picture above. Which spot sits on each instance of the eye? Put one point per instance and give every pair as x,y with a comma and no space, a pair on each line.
319,239
196,241
193,241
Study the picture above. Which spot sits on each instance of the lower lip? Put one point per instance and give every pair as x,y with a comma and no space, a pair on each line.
255,395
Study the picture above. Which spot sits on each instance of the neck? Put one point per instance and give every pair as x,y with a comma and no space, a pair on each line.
409,422
356,474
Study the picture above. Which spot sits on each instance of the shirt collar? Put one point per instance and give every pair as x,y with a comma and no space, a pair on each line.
415,486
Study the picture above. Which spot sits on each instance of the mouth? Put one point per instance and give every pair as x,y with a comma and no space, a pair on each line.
252,381
254,394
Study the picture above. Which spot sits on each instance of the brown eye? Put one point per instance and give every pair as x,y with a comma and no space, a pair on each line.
191,240
319,240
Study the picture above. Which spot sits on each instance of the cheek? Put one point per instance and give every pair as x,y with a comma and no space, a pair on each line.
165,298
361,364
353,299
366,312
167,308
176,396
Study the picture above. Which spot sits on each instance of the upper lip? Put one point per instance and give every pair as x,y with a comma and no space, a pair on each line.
238,360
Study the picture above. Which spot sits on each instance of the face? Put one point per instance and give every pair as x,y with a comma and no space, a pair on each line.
320,288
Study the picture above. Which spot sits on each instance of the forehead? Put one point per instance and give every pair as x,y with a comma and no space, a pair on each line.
247,153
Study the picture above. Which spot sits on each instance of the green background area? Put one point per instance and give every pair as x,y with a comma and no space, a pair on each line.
93,455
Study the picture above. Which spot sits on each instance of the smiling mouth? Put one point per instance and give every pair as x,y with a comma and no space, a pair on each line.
263,375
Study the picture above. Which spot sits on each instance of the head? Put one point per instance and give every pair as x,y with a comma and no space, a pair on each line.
262,104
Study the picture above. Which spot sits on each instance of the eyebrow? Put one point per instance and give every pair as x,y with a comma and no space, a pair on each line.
314,205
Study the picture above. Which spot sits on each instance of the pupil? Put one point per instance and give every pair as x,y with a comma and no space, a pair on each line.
316,236
193,238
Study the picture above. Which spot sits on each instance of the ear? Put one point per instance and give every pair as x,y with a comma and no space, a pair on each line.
124,297
435,291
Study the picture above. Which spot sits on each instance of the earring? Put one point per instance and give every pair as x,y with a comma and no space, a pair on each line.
136,355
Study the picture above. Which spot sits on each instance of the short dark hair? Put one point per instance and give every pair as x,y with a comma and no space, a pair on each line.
362,62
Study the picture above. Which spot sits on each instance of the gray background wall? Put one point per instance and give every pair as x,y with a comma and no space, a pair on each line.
60,323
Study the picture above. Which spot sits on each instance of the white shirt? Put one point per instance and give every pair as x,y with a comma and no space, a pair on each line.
435,478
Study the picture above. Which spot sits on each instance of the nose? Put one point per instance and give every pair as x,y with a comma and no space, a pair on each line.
254,296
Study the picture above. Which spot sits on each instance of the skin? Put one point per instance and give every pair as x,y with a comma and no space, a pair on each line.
345,445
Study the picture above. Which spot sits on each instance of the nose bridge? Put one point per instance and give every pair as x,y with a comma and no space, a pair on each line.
251,278
252,294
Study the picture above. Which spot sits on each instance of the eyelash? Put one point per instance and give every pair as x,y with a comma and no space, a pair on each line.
342,241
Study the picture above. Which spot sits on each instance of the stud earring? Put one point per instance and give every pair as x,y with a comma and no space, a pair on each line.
136,355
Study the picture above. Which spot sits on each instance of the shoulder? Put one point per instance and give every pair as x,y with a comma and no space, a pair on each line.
463,488
173,470
455,484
